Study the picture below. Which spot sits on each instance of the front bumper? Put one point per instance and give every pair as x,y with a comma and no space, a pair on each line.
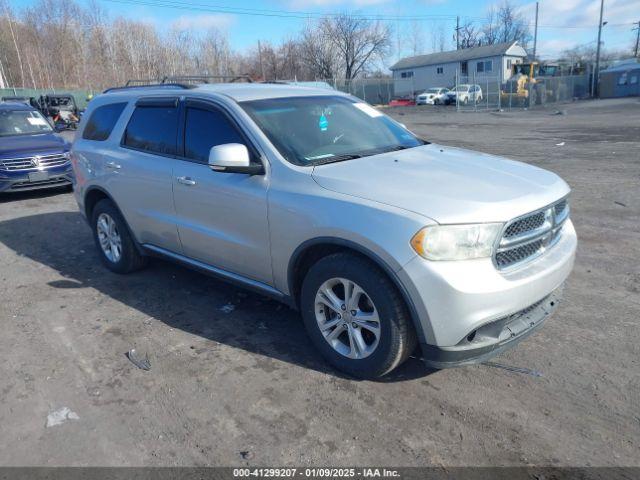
20,181
494,338
465,309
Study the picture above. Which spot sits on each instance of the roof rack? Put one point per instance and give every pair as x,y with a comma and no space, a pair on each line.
179,81
206,78
149,85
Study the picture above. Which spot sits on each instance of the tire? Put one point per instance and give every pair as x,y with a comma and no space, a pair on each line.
396,337
129,259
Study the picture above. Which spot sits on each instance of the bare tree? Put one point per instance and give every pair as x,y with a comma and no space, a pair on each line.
469,35
505,24
359,41
319,53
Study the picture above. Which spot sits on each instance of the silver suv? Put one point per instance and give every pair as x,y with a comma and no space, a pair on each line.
382,240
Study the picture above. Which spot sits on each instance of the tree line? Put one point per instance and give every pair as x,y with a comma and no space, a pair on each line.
59,43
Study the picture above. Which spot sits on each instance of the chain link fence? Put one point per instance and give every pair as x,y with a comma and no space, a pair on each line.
481,93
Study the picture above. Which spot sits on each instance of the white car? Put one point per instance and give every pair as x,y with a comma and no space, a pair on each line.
465,94
433,96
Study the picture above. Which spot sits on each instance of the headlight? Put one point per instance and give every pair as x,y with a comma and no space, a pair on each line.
456,242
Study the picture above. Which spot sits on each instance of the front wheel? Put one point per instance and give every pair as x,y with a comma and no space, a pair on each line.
355,316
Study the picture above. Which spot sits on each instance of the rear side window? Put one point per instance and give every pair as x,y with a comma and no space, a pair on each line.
205,129
153,129
102,121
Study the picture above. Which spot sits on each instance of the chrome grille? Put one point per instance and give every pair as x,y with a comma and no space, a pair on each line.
37,162
524,225
531,235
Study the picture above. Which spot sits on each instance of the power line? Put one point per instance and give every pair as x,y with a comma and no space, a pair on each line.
211,8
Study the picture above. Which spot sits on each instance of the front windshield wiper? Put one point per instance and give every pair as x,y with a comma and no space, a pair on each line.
337,158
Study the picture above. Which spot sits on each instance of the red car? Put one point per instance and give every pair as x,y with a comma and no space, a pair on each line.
401,102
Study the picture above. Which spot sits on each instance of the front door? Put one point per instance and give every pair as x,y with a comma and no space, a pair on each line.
222,217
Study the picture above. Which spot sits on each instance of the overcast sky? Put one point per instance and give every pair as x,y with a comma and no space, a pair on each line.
562,23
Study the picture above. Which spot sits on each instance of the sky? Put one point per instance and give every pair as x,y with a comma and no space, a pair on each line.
562,23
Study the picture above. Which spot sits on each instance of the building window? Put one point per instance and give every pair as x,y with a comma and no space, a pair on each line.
622,79
439,70
486,66
464,67
634,80
509,64
406,74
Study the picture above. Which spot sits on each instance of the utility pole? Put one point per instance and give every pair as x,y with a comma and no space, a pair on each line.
596,74
261,64
535,34
458,33
637,29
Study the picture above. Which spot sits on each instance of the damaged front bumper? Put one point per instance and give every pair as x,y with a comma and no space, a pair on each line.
493,338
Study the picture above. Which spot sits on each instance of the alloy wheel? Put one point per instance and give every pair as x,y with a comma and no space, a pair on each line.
109,237
347,318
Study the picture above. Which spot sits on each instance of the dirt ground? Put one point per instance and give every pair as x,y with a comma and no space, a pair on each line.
235,381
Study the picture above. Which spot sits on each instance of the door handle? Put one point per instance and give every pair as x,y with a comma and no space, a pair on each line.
113,166
186,181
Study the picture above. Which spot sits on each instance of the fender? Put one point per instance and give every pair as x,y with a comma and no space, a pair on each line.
375,258
95,188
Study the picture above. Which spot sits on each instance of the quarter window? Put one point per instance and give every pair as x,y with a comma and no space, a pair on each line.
153,129
102,121
205,129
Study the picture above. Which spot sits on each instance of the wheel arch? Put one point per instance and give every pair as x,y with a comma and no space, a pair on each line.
95,194
310,251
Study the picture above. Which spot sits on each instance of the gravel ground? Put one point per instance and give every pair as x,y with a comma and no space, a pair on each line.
234,380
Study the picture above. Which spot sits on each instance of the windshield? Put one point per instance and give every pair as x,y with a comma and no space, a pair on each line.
462,88
325,129
433,90
21,122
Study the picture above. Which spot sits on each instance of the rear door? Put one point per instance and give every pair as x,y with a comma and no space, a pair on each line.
222,217
141,171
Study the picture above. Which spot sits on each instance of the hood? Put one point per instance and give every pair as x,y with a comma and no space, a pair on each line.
448,185
27,145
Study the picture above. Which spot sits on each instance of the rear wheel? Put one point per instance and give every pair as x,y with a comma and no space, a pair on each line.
355,316
115,244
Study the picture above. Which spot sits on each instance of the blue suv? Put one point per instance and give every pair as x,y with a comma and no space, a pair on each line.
32,155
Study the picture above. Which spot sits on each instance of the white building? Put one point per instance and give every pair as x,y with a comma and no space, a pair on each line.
488,62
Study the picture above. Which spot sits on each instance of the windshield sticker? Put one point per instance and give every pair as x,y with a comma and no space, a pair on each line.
323,123
368,109
36,121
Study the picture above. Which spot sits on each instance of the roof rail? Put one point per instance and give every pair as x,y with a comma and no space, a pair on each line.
149,85
178,81
206,78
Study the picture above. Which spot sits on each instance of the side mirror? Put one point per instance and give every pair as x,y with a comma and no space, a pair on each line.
233,158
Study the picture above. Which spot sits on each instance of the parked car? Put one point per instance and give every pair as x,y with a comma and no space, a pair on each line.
60,109
381,239
433,96
32,155
402,102
465,94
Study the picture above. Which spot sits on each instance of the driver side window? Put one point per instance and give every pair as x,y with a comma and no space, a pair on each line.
206,128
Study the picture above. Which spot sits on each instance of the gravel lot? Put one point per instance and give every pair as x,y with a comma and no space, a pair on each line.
243,386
